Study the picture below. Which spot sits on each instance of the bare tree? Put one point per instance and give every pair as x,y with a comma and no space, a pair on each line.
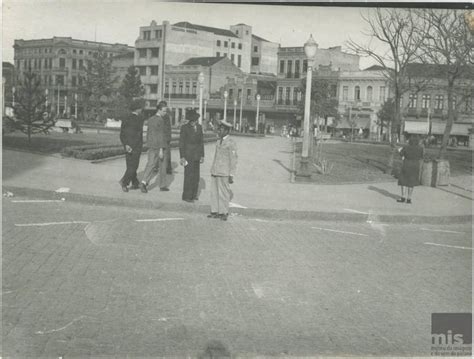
394,31
448,46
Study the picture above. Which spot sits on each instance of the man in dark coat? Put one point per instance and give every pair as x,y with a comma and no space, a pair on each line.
131,136
191,152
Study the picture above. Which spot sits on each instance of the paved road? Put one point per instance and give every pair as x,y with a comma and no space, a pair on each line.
114,281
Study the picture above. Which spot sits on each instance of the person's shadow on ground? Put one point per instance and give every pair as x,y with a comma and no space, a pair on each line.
383,192
202,186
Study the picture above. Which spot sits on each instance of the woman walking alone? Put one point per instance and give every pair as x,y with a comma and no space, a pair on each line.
410,173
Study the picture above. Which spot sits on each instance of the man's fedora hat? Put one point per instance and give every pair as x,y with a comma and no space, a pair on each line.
192,115
225,124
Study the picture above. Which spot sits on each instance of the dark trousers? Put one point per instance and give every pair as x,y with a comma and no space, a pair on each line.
132,161
191,180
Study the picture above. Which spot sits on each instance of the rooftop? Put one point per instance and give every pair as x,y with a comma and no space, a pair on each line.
215,30
259,38
59,38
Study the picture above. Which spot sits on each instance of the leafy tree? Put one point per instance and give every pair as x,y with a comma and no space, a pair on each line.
129,91
447,46
393,44
98,87
30,105
323,99
386,114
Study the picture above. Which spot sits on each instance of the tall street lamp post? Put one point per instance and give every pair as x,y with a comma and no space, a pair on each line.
258,110
225,105
75,106
240,114
235,112
310,48
205,108
201,85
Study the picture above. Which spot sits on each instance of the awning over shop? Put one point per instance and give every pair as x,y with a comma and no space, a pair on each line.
458,129
417,127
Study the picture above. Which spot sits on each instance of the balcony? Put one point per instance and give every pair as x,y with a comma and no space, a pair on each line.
181,96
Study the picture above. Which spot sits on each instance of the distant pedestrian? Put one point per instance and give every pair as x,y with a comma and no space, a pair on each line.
222,172
191,152
131,136
157,143
410,172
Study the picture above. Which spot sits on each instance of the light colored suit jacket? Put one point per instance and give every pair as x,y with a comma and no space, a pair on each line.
225,158
156,136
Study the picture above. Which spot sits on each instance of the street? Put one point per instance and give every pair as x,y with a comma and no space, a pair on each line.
82,280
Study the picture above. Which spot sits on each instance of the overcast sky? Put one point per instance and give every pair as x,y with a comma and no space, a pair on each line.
119,20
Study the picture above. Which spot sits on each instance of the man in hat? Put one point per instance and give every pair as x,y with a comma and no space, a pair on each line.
157,142
222,172
191,152
131,136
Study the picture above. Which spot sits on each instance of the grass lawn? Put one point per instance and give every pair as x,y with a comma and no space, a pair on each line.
55,142
362,163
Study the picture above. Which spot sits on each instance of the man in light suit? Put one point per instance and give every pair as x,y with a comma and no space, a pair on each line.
158,143
222,173
191,152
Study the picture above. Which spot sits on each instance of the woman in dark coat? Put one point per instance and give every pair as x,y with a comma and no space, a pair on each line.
410,173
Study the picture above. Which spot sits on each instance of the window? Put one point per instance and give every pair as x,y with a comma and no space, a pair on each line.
439,100
412,100
218,54
282,66
142,70
90,53
174,87
80,80
454,102
218,42
345,93
46,62
167,87
297,68
62,52
425,101
81,52
81,64
158,34
246,32
231,93
154,70
369,93
295,95
226,44
232,58
59,79
255,61
382,94
74,51
146,35
142,53
305,66
188,87
181,87
74,64
288,94
289,69
153,88
240,46
155,52
239,94
73,80
255,49
232,45
357,93
62,63
194,87
239,60
249,94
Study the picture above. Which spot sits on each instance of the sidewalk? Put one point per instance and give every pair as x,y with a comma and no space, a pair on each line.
262,187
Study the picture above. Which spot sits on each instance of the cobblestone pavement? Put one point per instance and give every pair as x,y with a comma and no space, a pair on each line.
101,283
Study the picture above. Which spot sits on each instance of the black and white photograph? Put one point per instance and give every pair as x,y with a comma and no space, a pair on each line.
217,179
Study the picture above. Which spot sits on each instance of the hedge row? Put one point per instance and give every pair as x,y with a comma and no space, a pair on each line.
95,152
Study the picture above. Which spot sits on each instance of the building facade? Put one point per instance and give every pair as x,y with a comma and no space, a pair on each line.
8,76
425,104
361,94
159,45
60,63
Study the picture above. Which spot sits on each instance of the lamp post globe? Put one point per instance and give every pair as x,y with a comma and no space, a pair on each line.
310,47
201,83
225,104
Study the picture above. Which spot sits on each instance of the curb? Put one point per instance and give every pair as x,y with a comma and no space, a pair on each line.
248,212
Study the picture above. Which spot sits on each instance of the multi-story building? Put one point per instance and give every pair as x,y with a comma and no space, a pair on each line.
121,63
8,75
60,64
361,95
425,104
164,44
182,85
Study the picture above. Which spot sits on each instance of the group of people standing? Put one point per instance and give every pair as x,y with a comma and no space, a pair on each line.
191,151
